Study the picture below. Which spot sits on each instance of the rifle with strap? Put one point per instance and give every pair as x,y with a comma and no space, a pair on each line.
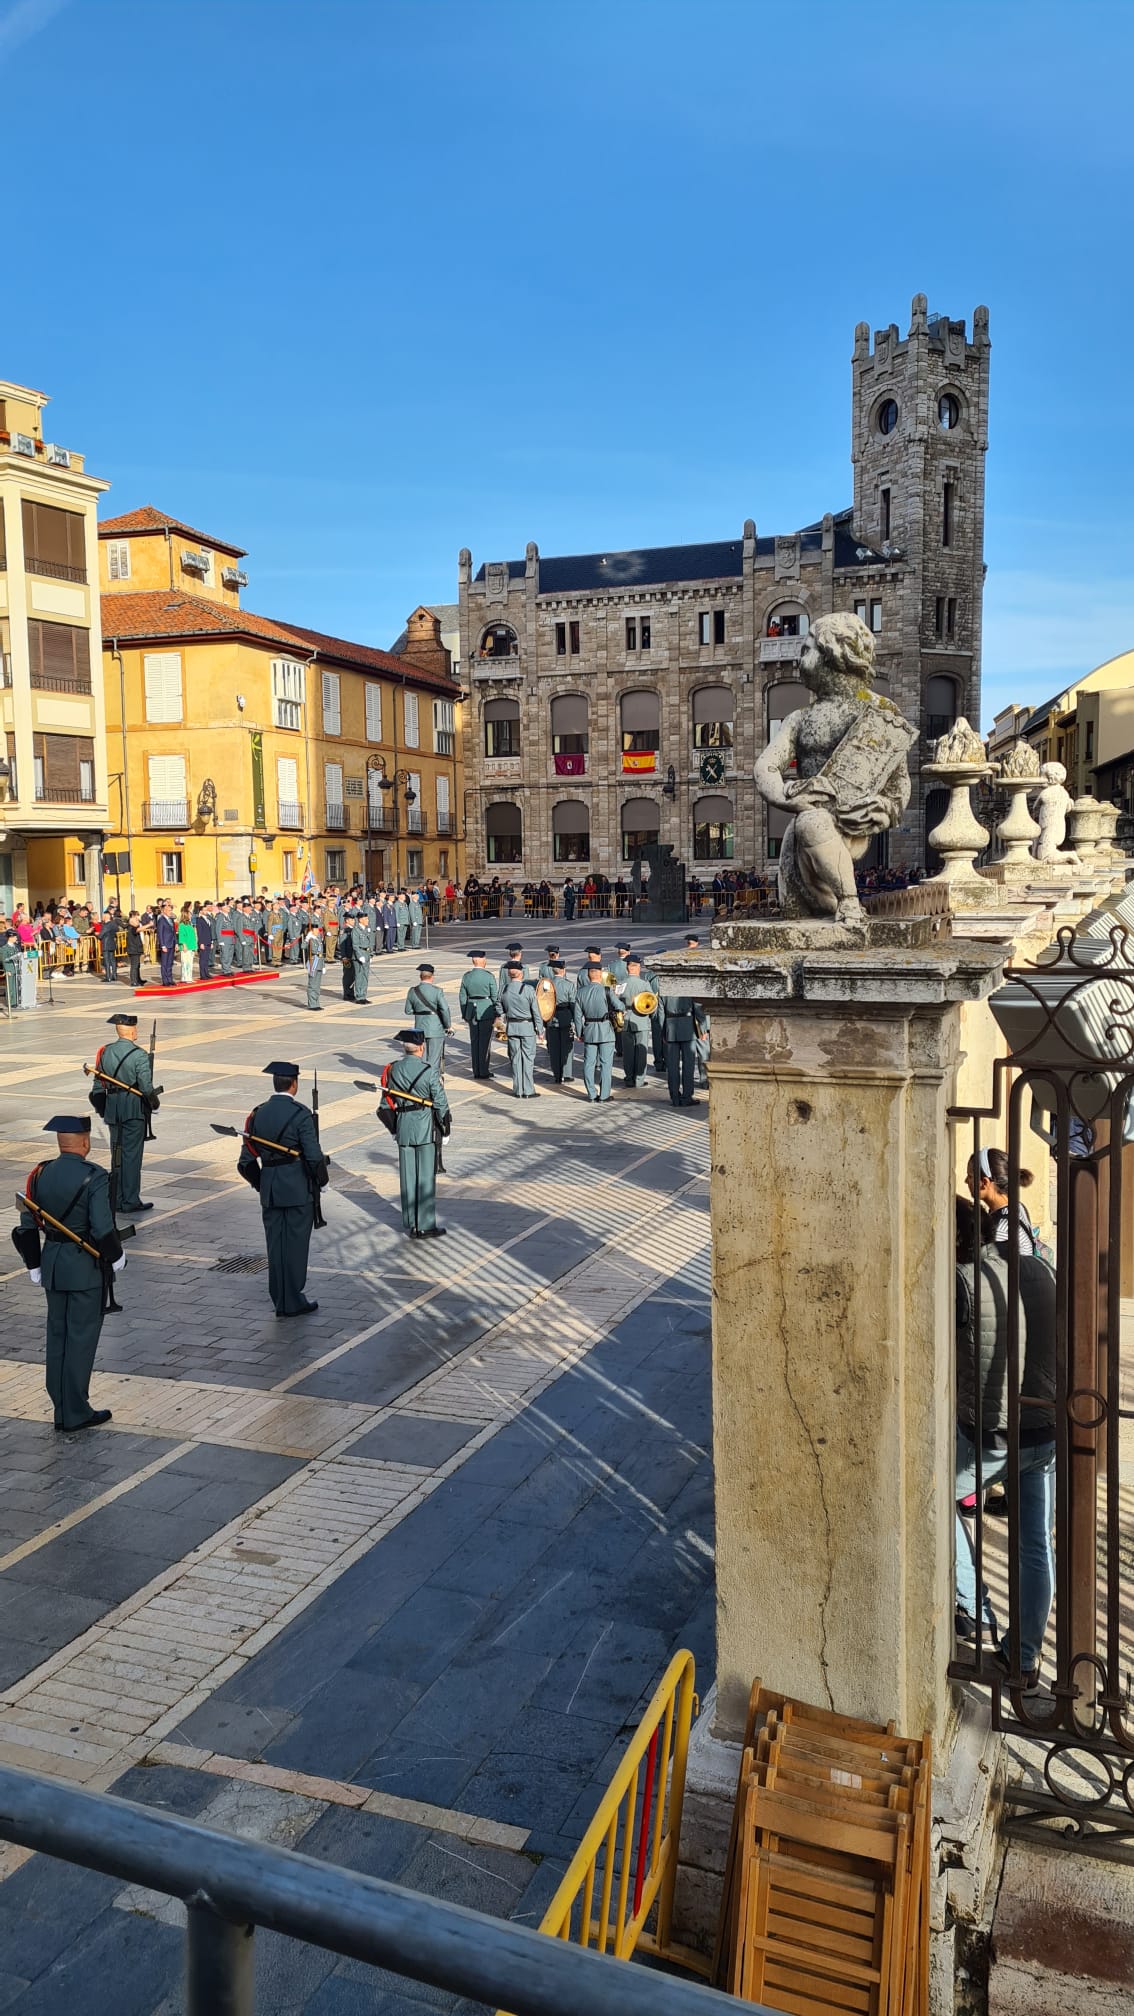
157,1088
319,1221
109,1306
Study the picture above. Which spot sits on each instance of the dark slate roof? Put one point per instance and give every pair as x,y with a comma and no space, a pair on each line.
650,566
1040,717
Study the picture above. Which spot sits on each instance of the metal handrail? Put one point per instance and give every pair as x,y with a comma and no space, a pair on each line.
231,1885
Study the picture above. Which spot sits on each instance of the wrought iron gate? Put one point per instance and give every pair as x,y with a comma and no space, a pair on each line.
1069,1022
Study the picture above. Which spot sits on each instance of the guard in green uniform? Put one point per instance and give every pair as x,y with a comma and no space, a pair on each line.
681,1024
228,924
524,1024
594,1005
125,1113
477,1003
249,938
417,1156
361,948
636,1032
314,959
430,1011
281,1158
77,1193
618,976
560,1031
514,952
416,920
401,920
545,972
592,956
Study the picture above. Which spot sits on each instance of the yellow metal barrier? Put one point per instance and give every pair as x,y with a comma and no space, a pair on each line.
628,1855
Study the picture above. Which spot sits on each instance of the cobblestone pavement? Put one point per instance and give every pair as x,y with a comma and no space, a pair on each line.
393,1583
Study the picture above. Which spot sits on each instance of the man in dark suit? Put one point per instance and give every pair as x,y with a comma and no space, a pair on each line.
108,939
205,940
166,932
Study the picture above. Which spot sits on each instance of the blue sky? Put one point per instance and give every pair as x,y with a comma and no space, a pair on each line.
358,283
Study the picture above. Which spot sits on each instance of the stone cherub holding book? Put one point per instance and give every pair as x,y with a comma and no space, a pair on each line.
839,767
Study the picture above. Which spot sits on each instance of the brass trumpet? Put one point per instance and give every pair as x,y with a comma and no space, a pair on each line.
645,1003
500,1032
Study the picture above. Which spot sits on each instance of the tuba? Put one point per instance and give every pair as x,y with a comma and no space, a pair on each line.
645,1003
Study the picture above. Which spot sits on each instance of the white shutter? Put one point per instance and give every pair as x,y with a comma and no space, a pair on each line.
374,788
415,785
442,795
333,781
332,717
411,720
167,780
119,558
287,780
162,673
373,713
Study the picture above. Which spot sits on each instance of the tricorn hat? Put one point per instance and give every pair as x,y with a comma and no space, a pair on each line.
278,1070
69,1123
114,1020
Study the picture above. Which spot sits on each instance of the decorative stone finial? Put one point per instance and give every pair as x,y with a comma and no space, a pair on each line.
1021,761
961,745
839,768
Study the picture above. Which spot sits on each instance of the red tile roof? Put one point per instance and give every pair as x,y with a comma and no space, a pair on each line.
149,519
370,659
165,612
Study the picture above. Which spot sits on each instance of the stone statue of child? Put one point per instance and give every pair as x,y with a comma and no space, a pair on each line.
839,767
1052,805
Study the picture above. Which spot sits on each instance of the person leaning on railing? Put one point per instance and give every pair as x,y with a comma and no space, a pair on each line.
983,1403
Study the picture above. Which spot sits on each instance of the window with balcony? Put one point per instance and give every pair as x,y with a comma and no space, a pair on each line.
64,769
640,722
288,693
713,711
504,834
334,811
570,737
444,808
444,728
409,719
332,704
640,823
788,619
502,728
571,831
59,655
499,641
942,703
161,676
167,785
373,701
290,813
712,829
54,542
415,811
118,559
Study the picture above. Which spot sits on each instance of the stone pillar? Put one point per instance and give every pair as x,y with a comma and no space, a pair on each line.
834,1058
1017,830
959,836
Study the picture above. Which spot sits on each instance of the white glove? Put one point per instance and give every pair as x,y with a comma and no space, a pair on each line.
116,1266
35,1275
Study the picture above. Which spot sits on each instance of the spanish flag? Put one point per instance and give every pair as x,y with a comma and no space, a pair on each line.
639,760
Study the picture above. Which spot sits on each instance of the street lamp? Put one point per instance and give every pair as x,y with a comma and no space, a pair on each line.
385,783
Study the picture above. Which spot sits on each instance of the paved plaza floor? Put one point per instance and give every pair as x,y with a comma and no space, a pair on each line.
392,1583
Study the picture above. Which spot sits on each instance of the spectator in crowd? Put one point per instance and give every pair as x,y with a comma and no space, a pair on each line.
186,944
135,948
987,1178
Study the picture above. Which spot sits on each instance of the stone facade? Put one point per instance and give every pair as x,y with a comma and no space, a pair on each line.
716,662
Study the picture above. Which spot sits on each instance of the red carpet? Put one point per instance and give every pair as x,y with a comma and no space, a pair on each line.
205,986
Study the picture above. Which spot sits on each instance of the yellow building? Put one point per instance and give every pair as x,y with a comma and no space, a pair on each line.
249,753
53,781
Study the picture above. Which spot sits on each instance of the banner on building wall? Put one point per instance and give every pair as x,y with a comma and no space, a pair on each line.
637,760
570,766
258,815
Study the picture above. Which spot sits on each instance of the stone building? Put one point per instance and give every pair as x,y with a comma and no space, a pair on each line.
622,698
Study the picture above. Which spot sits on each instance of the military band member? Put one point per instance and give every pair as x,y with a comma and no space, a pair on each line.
125,1112
514,952
636,1033
618,976
281,1158
477,1002
77,1193
417,1158
545,972
524,1025
592,956
227,917
361,947
682,1022
560,1031
593,1009
430,1011
314,959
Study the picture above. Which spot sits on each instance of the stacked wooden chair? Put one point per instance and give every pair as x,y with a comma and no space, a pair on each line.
826,1894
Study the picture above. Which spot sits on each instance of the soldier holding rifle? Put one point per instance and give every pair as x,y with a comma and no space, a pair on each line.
67,1241
124,1095
281,1158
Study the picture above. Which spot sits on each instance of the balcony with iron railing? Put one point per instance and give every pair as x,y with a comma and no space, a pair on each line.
53,570
290,816
166,814
378,818
336,817
446,823
416,820
60,682
47,793
781,650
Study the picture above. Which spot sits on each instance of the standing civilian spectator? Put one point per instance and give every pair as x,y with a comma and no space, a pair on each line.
205,939
166,932
186,944
108,939
135,948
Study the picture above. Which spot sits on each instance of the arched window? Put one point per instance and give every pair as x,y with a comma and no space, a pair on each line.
942,700
641,824
640,715
788,619
714,708
785,697
502,728
569,737
712,829
499,641
571,831
776,826
504,834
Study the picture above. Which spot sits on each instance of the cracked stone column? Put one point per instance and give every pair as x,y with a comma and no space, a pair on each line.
834,1059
